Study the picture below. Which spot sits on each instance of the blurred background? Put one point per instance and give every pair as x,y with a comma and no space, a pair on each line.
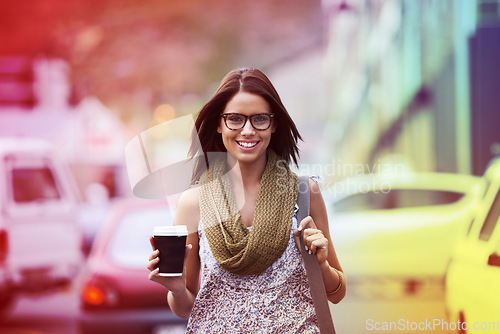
397,102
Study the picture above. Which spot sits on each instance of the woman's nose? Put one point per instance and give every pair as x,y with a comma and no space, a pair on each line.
248,128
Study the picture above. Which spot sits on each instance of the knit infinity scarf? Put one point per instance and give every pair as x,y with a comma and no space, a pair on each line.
236,248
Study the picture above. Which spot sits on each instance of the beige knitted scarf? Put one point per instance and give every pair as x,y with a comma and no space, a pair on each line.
236,248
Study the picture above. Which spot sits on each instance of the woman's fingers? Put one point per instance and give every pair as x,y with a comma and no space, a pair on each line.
154,259
154,254
317,242
307,222
311,233
152,242
152,264
170,283
153,274
314,239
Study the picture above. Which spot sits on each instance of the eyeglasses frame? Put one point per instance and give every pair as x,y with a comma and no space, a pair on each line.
224,115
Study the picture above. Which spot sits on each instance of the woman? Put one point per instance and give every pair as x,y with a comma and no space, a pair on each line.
242,221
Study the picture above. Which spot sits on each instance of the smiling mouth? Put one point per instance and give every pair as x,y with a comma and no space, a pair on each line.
247,144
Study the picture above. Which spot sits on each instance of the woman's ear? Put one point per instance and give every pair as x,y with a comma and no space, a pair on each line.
219,130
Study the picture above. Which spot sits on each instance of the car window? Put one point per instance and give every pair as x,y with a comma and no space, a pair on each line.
395,199
491,219
33,184
129,244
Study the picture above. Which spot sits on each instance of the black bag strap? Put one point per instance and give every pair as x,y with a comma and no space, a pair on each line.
312,266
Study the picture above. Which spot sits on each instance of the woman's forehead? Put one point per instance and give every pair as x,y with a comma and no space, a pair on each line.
247,103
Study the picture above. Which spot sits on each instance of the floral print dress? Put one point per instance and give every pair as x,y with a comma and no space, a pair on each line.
276,301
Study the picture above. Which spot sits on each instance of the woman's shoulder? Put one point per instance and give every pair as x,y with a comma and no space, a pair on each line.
188,209
190,197
314,185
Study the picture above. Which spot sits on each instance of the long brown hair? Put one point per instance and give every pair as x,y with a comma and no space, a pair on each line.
283,140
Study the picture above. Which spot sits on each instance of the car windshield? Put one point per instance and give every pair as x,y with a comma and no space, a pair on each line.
33,184
129,245
395,199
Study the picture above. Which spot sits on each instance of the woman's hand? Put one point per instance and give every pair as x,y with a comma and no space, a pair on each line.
175,284
314,240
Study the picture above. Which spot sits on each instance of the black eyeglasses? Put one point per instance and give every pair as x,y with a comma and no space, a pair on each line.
236,121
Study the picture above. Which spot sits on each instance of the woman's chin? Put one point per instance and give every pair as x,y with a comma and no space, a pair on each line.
249,157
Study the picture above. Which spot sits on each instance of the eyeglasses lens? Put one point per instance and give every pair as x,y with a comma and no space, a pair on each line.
259,122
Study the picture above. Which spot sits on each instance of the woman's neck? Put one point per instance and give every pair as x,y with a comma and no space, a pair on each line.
248,174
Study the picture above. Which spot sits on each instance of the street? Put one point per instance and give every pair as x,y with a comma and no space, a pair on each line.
360,312
49,313
54,313
377,309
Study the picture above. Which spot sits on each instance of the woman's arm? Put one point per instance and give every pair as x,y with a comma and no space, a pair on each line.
182,290
317,240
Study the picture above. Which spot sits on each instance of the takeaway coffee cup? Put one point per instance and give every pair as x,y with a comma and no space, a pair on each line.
171,242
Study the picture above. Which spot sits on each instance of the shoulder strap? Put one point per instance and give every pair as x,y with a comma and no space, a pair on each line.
312,266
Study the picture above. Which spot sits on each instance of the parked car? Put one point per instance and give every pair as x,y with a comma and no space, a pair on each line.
473,276
116,294
399,228
40,242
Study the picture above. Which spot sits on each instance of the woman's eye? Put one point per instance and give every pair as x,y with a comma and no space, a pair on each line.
235,119
260,119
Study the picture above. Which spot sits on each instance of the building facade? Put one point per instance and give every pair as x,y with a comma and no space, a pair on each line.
412,82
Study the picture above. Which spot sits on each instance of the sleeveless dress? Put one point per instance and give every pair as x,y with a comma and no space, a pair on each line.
276,301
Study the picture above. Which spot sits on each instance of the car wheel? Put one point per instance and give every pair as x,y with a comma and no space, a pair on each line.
461,319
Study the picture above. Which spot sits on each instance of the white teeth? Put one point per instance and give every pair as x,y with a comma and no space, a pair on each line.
247,145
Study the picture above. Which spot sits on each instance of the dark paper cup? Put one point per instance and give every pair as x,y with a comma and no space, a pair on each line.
171,242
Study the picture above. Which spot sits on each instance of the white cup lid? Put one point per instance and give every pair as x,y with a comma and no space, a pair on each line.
176,230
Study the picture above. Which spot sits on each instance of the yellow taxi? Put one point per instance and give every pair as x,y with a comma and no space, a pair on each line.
473,275
397,231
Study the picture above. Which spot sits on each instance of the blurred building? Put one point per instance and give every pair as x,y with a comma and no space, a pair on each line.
298,78
35,101
413,82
